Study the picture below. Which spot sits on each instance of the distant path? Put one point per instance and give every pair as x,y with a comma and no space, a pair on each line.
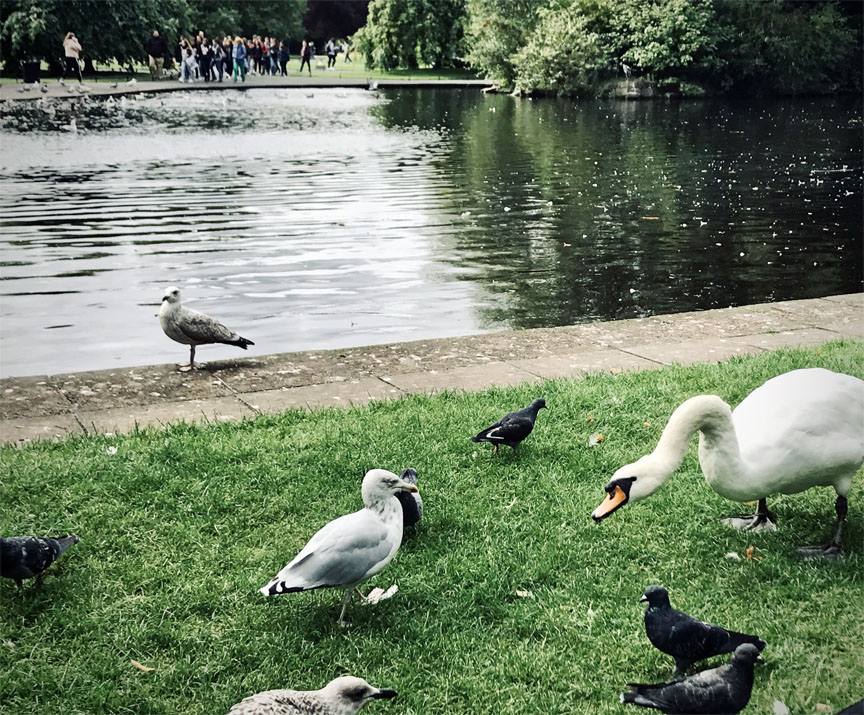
119,399
10,91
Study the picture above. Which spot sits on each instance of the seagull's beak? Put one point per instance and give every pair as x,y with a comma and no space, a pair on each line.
164,298
385,694
614,500
406,487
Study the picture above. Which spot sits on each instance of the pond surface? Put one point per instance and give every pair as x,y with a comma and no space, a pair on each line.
313,219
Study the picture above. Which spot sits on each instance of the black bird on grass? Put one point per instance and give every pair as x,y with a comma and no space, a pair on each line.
685,638
412,503
512,428
719,691
28,556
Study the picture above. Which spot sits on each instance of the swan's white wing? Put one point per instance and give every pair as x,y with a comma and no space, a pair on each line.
803,428
346,551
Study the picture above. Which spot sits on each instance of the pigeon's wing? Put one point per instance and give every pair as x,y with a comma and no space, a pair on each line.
514,429
344,552
691,638
25,556
696,694
201,328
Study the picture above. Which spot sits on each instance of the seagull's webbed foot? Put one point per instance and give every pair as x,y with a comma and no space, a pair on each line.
762,520
831,551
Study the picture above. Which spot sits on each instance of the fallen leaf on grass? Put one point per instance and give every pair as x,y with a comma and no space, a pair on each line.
822,707
379,594
143,668
650,218
111,450
523,594
590,420
749,553
615,370
646,424
595,439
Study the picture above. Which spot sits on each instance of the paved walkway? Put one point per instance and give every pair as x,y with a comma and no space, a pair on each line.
116,400
19,91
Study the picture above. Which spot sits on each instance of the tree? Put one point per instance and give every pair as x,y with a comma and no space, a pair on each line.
408,33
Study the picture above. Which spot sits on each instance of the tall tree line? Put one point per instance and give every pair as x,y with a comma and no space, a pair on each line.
118,29
572,46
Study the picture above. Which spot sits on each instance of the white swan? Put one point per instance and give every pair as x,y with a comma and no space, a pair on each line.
802,429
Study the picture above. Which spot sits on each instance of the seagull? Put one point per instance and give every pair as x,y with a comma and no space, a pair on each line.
113,85
412,503
720,690
71,127
372,85
352,548
131,82
192,328
28,556
685,638
60,81
512,428
341,696
626,69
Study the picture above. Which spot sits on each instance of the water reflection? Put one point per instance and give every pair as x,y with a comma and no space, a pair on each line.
329,218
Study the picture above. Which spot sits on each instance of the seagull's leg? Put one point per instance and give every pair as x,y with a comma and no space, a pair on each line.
345,601
359,593
834,548
762,520
191,365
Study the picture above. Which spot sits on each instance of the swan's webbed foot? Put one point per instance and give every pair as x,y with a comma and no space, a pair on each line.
751,522
832,551
762,520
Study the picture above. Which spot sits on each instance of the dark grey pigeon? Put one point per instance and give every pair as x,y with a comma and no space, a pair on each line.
719,691
685,638
512,428
412,503
28,556
853,709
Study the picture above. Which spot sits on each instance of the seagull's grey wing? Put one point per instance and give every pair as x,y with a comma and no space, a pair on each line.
274,702
343,552
202,328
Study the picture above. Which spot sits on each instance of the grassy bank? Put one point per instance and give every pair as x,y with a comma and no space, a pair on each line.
179,528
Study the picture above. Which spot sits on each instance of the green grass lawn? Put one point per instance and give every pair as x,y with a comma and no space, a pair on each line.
181,526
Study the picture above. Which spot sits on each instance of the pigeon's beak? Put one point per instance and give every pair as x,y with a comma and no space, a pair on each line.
613,501
644,599
385,694
760,659
406,487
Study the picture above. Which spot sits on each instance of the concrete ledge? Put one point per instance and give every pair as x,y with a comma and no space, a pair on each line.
56,406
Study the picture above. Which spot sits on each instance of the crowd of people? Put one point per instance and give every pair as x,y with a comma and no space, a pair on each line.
200,58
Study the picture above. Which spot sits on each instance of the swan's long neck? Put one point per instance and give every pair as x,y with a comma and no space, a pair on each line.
718,444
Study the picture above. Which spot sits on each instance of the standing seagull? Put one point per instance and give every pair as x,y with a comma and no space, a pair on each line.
685,638
342,696
412,502
724,690
28,556
193,328
352,548
512,428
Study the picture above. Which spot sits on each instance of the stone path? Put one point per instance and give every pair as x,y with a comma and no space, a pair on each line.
54,406
19,91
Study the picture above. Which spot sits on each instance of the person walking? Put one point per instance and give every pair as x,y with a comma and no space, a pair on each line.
346,48
284,57
156,50
330,49
239,56
71,48
306,57
218,57
204,60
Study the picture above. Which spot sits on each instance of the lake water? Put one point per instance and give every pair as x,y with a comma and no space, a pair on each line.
312,219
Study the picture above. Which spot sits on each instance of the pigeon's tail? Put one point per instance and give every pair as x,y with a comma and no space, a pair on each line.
736,639
64,542
241,343
636,697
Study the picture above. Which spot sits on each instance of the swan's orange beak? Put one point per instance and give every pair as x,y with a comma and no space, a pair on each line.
610,504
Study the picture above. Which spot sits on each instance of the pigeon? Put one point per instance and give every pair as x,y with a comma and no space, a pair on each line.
685,638
412,502
60,81
719,691
28,556
342,696
192,328
352,548
853,709
113,85
43,88
512,428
